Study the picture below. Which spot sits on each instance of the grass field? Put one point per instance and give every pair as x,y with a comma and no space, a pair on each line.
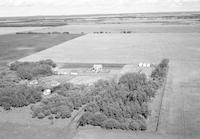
15,46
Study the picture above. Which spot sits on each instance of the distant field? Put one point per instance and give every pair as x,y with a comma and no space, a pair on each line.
13,47
130,48
9,30
117,28
176,18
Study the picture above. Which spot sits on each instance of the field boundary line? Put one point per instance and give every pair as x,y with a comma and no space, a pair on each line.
160,106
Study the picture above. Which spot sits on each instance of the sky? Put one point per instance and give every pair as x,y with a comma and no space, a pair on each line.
72,7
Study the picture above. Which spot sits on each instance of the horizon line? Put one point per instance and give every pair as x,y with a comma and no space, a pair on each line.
98,14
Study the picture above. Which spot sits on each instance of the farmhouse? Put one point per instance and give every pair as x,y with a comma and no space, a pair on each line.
97,68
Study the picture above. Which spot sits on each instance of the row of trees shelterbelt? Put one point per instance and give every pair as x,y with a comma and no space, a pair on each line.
123,105
108,104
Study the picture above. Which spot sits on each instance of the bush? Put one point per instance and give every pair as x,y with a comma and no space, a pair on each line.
5,105
142,123
40,115
124,126
48,62
134,125
14,66
85,119
46,112
50,117
97,119
91,107
111,124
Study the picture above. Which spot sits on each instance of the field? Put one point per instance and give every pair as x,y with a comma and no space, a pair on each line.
131,48
179,18
174,36
10,30
118,28
15,46
178,116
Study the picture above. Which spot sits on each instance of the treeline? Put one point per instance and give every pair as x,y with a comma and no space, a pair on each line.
31,32
29,70
159,74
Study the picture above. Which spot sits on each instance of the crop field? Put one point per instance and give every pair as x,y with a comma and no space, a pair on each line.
15,46
131,48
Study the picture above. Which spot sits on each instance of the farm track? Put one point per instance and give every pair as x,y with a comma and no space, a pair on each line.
160,105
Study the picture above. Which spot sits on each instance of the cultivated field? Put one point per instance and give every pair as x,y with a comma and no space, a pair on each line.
130,48
15,46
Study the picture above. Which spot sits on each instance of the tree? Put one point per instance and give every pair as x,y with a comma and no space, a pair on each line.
85,119
111,124
98,118
132,81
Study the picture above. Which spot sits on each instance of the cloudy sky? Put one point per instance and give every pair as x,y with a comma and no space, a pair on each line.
68,7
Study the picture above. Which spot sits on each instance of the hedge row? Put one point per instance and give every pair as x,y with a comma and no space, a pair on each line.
160,72
99,119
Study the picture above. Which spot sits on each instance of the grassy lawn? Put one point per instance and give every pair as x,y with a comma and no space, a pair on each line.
15,46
